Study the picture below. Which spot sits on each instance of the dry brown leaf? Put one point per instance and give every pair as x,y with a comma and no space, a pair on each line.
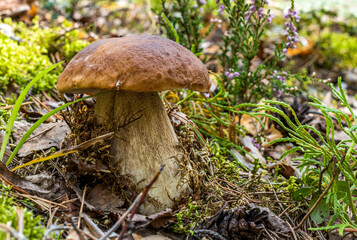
271,134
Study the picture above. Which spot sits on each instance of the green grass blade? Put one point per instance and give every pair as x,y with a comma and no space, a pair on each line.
171,28
17,106
39,122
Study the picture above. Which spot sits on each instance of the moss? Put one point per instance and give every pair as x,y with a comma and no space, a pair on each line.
32,224
21,61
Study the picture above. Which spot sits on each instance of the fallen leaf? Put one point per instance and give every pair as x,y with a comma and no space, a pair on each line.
47,135
103,198
248,143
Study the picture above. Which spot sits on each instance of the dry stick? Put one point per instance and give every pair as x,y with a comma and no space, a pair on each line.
52,214
20,221
141,200
11,106
52,229
81,209
7,182
8,235
44,106
94,229
281,206
77,230
240,191
292,230
89,235
286,209
317,202
13,232
137,202
348,230
34,197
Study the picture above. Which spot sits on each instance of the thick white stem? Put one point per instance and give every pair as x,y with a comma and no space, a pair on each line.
144,140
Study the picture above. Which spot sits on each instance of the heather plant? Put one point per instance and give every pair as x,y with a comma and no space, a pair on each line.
241,44
328,167
182,21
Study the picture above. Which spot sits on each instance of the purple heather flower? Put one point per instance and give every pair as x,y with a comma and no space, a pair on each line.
221,9
247,15
270,17
230,76
203,2
285,51
290,30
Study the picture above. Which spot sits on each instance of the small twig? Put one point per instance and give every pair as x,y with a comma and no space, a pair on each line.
292,230
52,229
8,234
141,200
333,159
90,235
240,190
20,220
51,216
95,230
47,109
281,206
286,209
13,232
32,197
134,206
81,209
319,199
306,236
80,235
11,106
344,124
345,230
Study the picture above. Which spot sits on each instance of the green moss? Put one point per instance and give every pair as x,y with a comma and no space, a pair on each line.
32,224
22,61
340,48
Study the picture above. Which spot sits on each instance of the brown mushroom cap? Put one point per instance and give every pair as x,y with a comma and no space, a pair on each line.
141,63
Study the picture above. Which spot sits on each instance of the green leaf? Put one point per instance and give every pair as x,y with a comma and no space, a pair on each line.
301,193
321,211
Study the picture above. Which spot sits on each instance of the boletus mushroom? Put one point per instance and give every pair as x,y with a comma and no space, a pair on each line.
134,69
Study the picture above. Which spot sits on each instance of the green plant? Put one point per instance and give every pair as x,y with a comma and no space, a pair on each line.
241,45
186,219
16,108
183,21
328,167
33,228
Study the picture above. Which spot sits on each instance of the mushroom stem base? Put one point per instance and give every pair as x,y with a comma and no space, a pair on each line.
144,140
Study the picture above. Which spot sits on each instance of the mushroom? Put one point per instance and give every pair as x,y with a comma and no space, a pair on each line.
134,69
